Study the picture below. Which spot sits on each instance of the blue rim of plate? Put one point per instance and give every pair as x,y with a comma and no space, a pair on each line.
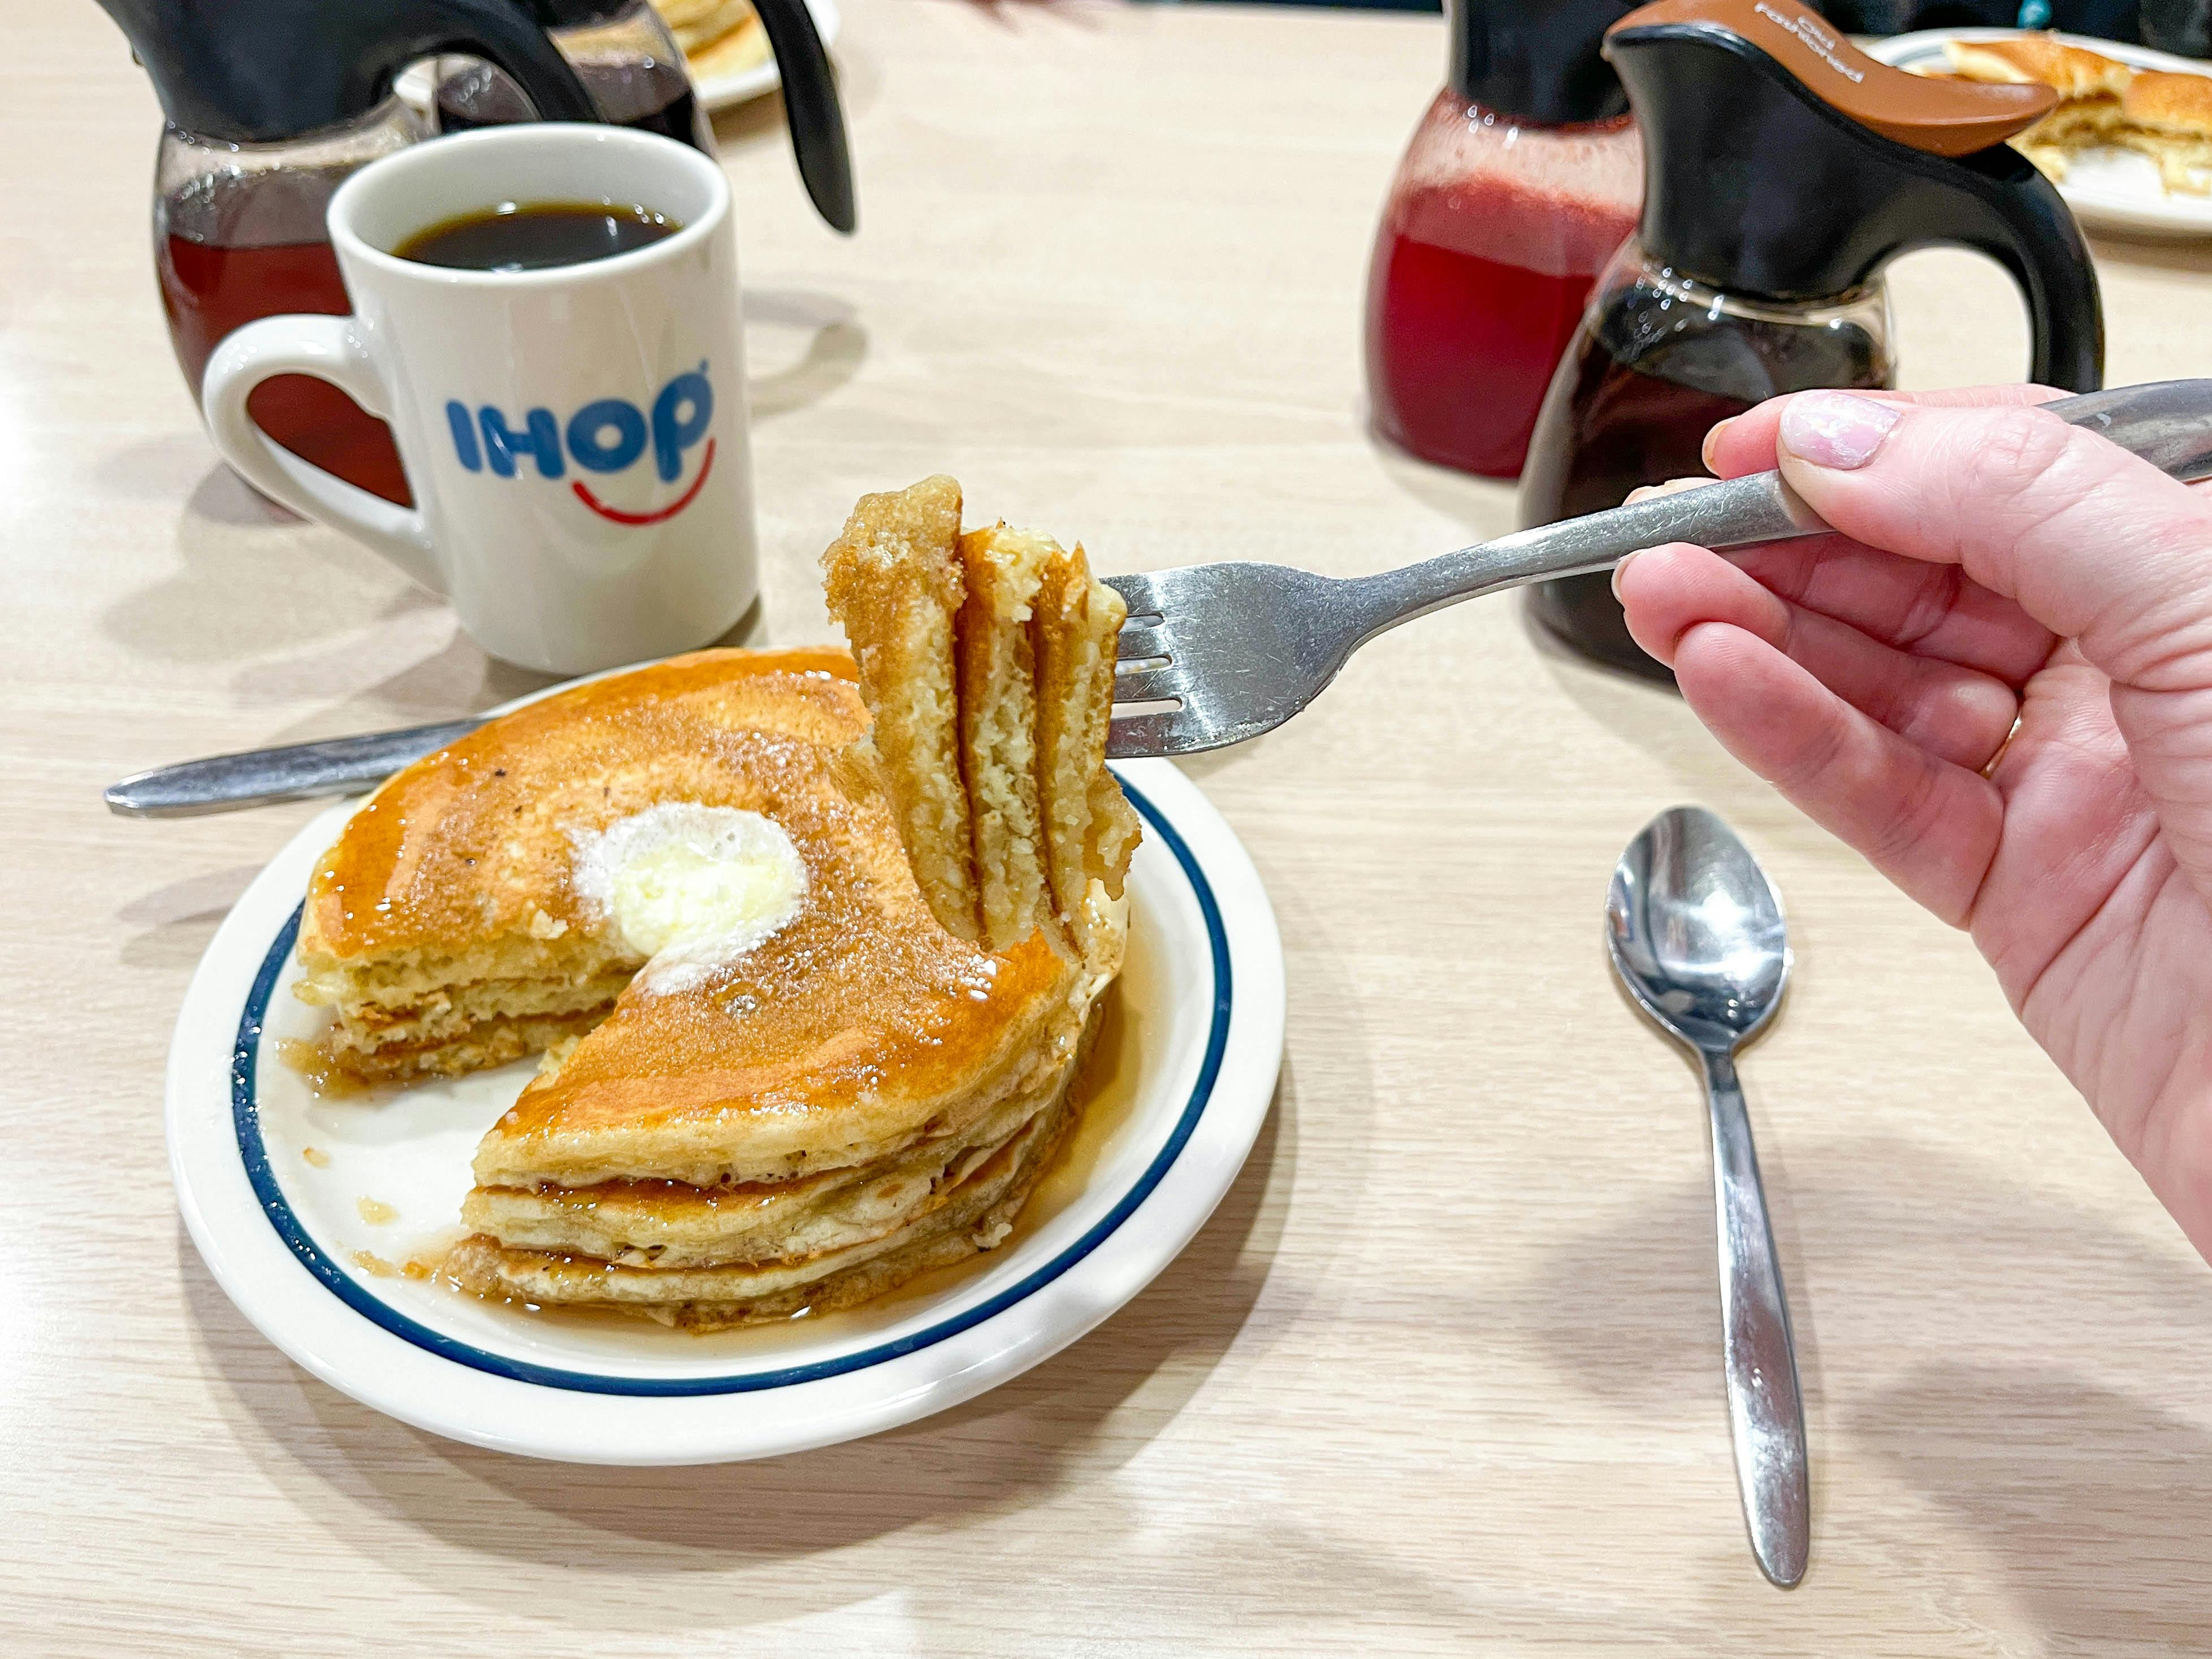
245,1114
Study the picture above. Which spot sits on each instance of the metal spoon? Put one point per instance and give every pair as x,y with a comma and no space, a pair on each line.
1695,932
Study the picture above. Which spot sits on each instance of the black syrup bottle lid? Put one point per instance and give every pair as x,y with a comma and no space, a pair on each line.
262,72
1783,164
1538,60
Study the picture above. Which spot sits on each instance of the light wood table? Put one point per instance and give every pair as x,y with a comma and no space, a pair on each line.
1442,1374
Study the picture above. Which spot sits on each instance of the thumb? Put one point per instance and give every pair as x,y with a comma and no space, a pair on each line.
2097,546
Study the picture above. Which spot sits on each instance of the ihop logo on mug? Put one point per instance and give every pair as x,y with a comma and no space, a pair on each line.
609,435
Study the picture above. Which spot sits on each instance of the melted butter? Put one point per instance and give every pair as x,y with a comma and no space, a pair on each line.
374,1212
691,887
375,1265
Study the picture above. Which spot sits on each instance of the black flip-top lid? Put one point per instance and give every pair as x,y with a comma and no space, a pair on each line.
260,72
1537,59
1782,163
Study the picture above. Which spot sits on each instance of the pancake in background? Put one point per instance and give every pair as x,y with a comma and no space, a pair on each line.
2102,103
720,38
2169,118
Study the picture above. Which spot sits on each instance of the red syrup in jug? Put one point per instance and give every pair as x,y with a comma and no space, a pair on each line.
208,291
1492,238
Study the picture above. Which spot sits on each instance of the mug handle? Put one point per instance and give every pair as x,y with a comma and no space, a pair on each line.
330,349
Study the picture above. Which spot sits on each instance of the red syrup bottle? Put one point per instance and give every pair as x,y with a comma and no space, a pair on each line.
1520,182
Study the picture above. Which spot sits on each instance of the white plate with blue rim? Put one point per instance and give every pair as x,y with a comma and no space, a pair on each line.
2108,189
322,1217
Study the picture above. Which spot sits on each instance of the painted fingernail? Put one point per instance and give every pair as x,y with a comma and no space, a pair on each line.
1617,569
1712,438
1833,428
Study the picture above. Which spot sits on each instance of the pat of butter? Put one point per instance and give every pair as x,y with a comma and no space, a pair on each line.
691,887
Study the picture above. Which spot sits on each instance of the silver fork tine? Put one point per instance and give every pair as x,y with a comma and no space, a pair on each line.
1138,593
1141,639
1152,685
1140,737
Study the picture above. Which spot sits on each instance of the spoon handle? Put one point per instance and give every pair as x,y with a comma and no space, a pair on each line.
1765,1415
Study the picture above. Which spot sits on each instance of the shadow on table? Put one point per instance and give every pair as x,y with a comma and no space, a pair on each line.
2087,1500
1094,1406
2093,1503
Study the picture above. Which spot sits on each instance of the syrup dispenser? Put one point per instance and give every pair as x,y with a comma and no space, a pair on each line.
271,105
1784,169
1520,182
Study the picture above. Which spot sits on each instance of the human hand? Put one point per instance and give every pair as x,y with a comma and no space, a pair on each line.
1992,562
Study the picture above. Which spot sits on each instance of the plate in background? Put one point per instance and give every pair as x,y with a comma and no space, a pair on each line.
2108,190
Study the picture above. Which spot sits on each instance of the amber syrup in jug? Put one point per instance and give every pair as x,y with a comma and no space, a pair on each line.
1661,362
239,235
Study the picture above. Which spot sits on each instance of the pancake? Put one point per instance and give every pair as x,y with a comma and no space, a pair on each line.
1089,829
668,1223
742,48
700,25
1015,642
2169,118
994,665
894,579
768,1064
2103,102
974,1210
445,927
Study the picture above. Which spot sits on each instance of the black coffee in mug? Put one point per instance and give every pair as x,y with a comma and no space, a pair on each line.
536,236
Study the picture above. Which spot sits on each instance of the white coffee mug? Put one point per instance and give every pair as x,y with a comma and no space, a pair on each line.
574,437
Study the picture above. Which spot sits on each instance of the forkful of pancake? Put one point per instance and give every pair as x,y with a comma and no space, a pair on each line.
987,661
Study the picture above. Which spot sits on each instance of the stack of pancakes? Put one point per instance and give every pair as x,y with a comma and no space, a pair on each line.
775,1083
2101,102
988,659
719,37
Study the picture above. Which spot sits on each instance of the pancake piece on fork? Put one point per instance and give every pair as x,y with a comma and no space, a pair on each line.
804,1089
1030,657
895,578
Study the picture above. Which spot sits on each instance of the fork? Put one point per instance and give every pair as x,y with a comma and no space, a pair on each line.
1212,654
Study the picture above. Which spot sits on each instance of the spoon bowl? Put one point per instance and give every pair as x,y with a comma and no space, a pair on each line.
1696,932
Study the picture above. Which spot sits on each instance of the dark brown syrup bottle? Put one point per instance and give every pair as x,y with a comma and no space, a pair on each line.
1784,169
1659,362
